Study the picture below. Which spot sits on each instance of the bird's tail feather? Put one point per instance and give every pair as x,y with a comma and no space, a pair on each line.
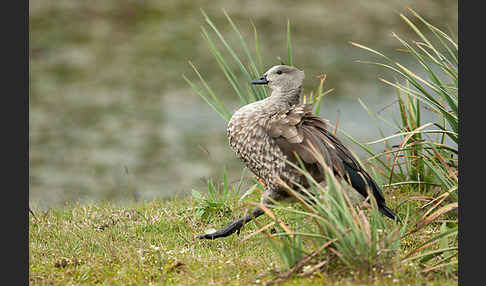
388,212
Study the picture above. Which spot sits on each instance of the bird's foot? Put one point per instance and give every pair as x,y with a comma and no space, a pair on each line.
234,226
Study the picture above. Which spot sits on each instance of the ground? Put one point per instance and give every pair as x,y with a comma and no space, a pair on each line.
155,243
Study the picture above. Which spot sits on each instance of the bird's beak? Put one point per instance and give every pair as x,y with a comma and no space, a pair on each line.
262,80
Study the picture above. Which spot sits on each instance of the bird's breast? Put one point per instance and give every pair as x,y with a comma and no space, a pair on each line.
249,139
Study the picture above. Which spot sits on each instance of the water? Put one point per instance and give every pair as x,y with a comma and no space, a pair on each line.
112,119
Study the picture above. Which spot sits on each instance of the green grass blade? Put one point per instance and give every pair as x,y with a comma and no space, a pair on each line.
438,33
253,71
218,102
222,114
257,48
437,87
228,72
233,54
289,45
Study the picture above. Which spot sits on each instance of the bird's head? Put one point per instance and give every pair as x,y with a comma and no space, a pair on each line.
282,78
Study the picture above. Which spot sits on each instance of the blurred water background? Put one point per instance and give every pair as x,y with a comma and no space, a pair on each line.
111,118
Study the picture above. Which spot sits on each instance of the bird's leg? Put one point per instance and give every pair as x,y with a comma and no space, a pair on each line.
234,226
267,199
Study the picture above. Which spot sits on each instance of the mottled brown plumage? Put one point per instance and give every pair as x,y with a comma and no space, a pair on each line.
266,133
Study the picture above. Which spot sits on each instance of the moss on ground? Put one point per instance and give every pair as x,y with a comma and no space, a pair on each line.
154,243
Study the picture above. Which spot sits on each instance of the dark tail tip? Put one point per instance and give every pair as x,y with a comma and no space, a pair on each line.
388,212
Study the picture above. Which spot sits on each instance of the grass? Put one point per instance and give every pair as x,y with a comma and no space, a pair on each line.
422,159
428,151
153,243
218,197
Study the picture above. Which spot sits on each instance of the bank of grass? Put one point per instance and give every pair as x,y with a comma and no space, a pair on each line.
426,157
154,243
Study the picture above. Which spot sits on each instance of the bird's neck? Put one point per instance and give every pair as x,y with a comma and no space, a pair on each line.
290,97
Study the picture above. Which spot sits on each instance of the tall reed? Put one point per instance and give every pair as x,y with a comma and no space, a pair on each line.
428,150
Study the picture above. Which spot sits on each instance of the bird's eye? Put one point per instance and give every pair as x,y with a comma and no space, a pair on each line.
279,72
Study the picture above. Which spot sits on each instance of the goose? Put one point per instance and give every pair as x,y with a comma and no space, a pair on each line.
265,134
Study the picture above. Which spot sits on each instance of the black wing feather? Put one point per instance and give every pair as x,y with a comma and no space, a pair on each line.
313,134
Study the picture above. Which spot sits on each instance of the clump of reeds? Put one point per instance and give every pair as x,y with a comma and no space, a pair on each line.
428,152
426,158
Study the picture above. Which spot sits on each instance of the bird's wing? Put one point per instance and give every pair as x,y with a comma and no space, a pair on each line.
298,130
